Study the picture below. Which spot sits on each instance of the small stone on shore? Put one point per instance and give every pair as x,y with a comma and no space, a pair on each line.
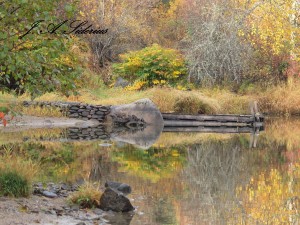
49,194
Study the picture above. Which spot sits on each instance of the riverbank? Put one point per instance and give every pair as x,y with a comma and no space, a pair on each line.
41,209
279,100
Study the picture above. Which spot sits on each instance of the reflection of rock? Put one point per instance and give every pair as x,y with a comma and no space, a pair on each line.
124,188
143,119
87,133
115,201
119,218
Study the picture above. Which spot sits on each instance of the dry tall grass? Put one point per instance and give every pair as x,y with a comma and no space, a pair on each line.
279,100
284,131
11,162
170,139
88,196
16,175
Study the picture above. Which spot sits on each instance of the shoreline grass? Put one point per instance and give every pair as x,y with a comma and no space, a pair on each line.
279,100
16,175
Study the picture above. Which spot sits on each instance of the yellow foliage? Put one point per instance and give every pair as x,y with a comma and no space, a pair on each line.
269,198
138,85
150,66
271,26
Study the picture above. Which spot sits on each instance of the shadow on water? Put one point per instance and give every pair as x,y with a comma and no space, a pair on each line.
182,178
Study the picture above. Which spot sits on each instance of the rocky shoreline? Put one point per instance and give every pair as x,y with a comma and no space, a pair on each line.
49,205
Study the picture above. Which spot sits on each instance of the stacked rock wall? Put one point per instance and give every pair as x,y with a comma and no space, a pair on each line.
87,112
76,109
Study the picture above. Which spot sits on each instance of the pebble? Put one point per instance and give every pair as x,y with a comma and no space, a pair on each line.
49,194
98,211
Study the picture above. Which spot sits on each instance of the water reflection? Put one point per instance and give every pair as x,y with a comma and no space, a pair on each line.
184,178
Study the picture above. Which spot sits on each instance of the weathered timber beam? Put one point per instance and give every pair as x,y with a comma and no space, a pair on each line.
209,129
221,118
180,123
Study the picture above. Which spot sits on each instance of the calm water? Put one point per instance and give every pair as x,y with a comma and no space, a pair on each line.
183,178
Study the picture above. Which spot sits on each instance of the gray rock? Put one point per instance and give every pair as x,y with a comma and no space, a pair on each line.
144,110
74,115
85,113
115,201
120,82
49,194
64,186
124,188
71,129
98,211
103,109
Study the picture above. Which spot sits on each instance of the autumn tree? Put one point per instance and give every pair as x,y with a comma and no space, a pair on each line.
129,27
213,47
273,31
239,40
32,58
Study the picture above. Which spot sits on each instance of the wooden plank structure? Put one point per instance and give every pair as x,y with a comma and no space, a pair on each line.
219,123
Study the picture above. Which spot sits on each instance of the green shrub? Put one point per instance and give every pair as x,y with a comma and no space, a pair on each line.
151,66
192,105
13,184
37,63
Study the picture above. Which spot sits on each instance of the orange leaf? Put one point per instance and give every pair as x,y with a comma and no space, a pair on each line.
4,122
2,115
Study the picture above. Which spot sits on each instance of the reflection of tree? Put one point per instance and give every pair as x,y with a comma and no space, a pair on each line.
164,212
153,163
272,197
213,172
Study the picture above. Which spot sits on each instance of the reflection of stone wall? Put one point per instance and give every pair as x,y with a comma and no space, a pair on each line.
76,109
87,133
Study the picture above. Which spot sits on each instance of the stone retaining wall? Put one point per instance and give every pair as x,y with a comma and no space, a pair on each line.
76,109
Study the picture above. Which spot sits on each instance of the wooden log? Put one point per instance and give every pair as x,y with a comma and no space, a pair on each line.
180,123
209,129
258,124
221,118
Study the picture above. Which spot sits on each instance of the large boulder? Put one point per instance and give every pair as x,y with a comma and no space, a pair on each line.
144,115
115,201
